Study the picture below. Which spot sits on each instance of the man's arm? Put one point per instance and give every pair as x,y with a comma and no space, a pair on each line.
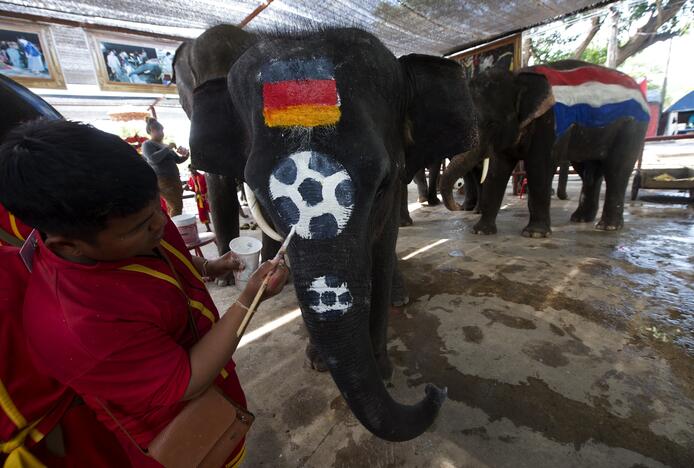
209,355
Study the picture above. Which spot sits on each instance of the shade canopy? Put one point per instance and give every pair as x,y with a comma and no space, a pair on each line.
424,26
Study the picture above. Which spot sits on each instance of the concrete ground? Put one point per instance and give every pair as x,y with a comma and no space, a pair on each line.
576,350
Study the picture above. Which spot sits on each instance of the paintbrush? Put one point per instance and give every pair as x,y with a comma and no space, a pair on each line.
263,285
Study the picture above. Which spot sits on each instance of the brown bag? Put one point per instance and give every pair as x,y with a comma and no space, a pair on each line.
202,435
207,429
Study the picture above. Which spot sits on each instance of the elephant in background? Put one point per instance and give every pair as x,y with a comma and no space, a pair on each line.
441,107
545,115
335,170
201,67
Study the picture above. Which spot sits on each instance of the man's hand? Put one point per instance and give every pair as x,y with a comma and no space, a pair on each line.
223,265
278,272
172,146
183,151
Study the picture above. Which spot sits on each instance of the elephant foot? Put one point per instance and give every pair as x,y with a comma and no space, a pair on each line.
421,199
384,366
313,359
561,195
433,201
406,221
579,216
477,210
484,229
537,230
604,225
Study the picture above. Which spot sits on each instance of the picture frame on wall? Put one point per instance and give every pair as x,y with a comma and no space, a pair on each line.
27,55
135,64
478,59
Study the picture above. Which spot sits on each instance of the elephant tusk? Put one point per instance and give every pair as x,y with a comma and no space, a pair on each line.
485,169
258,215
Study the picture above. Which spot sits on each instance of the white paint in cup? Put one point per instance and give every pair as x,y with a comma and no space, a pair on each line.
248,251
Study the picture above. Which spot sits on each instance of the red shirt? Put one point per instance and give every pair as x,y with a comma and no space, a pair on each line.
32,394
116,332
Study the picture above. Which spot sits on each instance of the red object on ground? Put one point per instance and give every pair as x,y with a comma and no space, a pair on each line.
198,184
119,332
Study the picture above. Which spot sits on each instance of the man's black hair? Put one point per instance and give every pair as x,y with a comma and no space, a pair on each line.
68,178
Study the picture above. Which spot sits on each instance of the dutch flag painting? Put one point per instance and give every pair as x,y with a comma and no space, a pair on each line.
593,96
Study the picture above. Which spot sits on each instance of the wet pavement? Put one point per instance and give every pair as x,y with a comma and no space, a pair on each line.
575,350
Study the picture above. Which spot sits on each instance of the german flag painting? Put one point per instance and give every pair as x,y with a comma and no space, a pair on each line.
300,93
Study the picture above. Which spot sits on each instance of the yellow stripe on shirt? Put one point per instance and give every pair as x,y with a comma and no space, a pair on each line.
170,279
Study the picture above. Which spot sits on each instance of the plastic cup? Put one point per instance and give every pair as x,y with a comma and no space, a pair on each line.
248,250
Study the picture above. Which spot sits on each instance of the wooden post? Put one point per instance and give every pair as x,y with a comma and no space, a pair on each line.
613,40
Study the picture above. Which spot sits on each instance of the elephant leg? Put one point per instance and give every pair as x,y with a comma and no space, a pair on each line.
540,172
270,247
617,169
471,192
422,189
591,175
405,218
383,271
563,179
434,171
224,211
500,169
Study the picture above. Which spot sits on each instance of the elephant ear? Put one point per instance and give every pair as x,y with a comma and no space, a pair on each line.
216,134
534,97
440,119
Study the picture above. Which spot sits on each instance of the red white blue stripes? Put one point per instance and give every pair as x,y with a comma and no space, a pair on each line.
593,96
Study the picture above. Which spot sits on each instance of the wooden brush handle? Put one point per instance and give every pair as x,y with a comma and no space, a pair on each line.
253,306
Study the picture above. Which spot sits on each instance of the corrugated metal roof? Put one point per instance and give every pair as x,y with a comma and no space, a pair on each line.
405,26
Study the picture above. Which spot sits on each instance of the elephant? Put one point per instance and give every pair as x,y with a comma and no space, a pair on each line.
544,115
332,126
427,191
443,107
200,69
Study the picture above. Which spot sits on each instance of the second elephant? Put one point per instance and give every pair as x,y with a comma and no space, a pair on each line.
570,110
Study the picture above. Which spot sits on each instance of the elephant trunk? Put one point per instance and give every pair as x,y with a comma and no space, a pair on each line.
460,165
336,309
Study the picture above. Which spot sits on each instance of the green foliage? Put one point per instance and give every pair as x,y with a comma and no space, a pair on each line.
596,55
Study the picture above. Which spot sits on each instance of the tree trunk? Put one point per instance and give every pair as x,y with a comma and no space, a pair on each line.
595,25
613,40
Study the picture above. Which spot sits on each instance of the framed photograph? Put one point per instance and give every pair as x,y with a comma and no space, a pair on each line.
27,55
478,59
128,63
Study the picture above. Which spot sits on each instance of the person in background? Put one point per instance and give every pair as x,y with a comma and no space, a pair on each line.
115,306
164,159
14,55
198,184
33,54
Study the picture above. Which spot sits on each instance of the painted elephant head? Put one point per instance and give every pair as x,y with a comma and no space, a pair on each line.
201,67
506,104
326,115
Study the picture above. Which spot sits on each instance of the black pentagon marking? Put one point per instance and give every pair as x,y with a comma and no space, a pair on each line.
328,298
323,165
323,227
285,171
345,298
311,191
313,298
287,210
332,281
344,193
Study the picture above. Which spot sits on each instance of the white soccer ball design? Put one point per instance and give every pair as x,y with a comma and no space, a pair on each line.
328,294
313,192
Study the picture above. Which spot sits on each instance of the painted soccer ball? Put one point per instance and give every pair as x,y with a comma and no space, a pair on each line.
328,294
458,184
313,192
